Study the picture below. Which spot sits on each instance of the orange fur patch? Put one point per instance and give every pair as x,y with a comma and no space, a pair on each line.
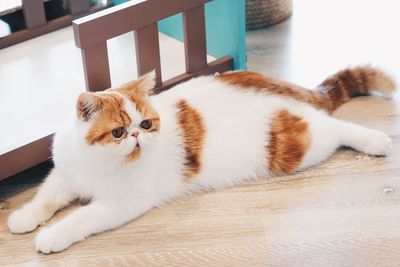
134,155
193,133
352,82
289,141
110,115
134,92
336,90
264,84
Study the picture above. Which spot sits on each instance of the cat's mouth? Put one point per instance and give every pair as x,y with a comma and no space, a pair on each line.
137,146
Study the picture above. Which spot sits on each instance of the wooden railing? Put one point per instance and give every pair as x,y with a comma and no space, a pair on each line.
36,23
92,33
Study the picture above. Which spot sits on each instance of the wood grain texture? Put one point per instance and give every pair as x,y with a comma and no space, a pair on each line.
96,67
148,51
344,212
194,28
34,13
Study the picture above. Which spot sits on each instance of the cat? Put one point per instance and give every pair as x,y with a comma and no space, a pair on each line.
128,151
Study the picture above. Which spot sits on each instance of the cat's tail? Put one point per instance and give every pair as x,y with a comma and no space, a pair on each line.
352,82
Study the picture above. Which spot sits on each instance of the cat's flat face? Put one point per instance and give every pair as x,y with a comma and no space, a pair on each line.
121,122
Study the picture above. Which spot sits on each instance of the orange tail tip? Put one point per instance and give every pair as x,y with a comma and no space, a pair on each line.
357,81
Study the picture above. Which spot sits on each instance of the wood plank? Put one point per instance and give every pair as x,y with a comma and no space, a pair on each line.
21,158
148,51
34,13
194,28
96,67
78,6
126,17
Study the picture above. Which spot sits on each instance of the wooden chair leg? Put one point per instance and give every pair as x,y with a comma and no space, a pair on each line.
33,13
148,51
96,67
78,6
195,39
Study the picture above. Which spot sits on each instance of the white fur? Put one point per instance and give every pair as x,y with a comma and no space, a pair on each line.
234,151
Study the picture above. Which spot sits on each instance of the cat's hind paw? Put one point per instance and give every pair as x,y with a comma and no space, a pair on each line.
377,143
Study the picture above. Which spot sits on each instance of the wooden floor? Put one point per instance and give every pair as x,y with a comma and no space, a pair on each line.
345,212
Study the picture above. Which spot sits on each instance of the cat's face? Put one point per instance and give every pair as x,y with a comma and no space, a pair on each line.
120,122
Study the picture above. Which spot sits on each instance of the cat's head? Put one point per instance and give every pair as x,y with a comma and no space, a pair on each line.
119,122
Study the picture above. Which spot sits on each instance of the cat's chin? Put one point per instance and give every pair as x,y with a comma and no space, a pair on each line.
136,149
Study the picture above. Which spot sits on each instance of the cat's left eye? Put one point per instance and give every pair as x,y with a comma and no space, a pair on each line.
146,124
118,132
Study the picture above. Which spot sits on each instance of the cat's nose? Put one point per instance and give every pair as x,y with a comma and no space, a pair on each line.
135,134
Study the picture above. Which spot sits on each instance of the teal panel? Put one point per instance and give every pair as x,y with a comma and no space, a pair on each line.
225,27
117,2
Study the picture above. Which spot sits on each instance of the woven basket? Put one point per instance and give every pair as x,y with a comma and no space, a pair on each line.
263,13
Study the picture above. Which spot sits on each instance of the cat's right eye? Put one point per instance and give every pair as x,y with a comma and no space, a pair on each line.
118,132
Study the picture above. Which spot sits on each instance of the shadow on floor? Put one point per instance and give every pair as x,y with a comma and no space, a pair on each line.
24,180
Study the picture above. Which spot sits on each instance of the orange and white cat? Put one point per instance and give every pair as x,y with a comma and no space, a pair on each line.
128,152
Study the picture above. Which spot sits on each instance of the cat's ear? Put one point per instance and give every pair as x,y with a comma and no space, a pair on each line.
144,84
87,105
148,82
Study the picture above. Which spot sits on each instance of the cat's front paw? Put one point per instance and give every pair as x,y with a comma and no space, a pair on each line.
22,221
377,143
51,240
